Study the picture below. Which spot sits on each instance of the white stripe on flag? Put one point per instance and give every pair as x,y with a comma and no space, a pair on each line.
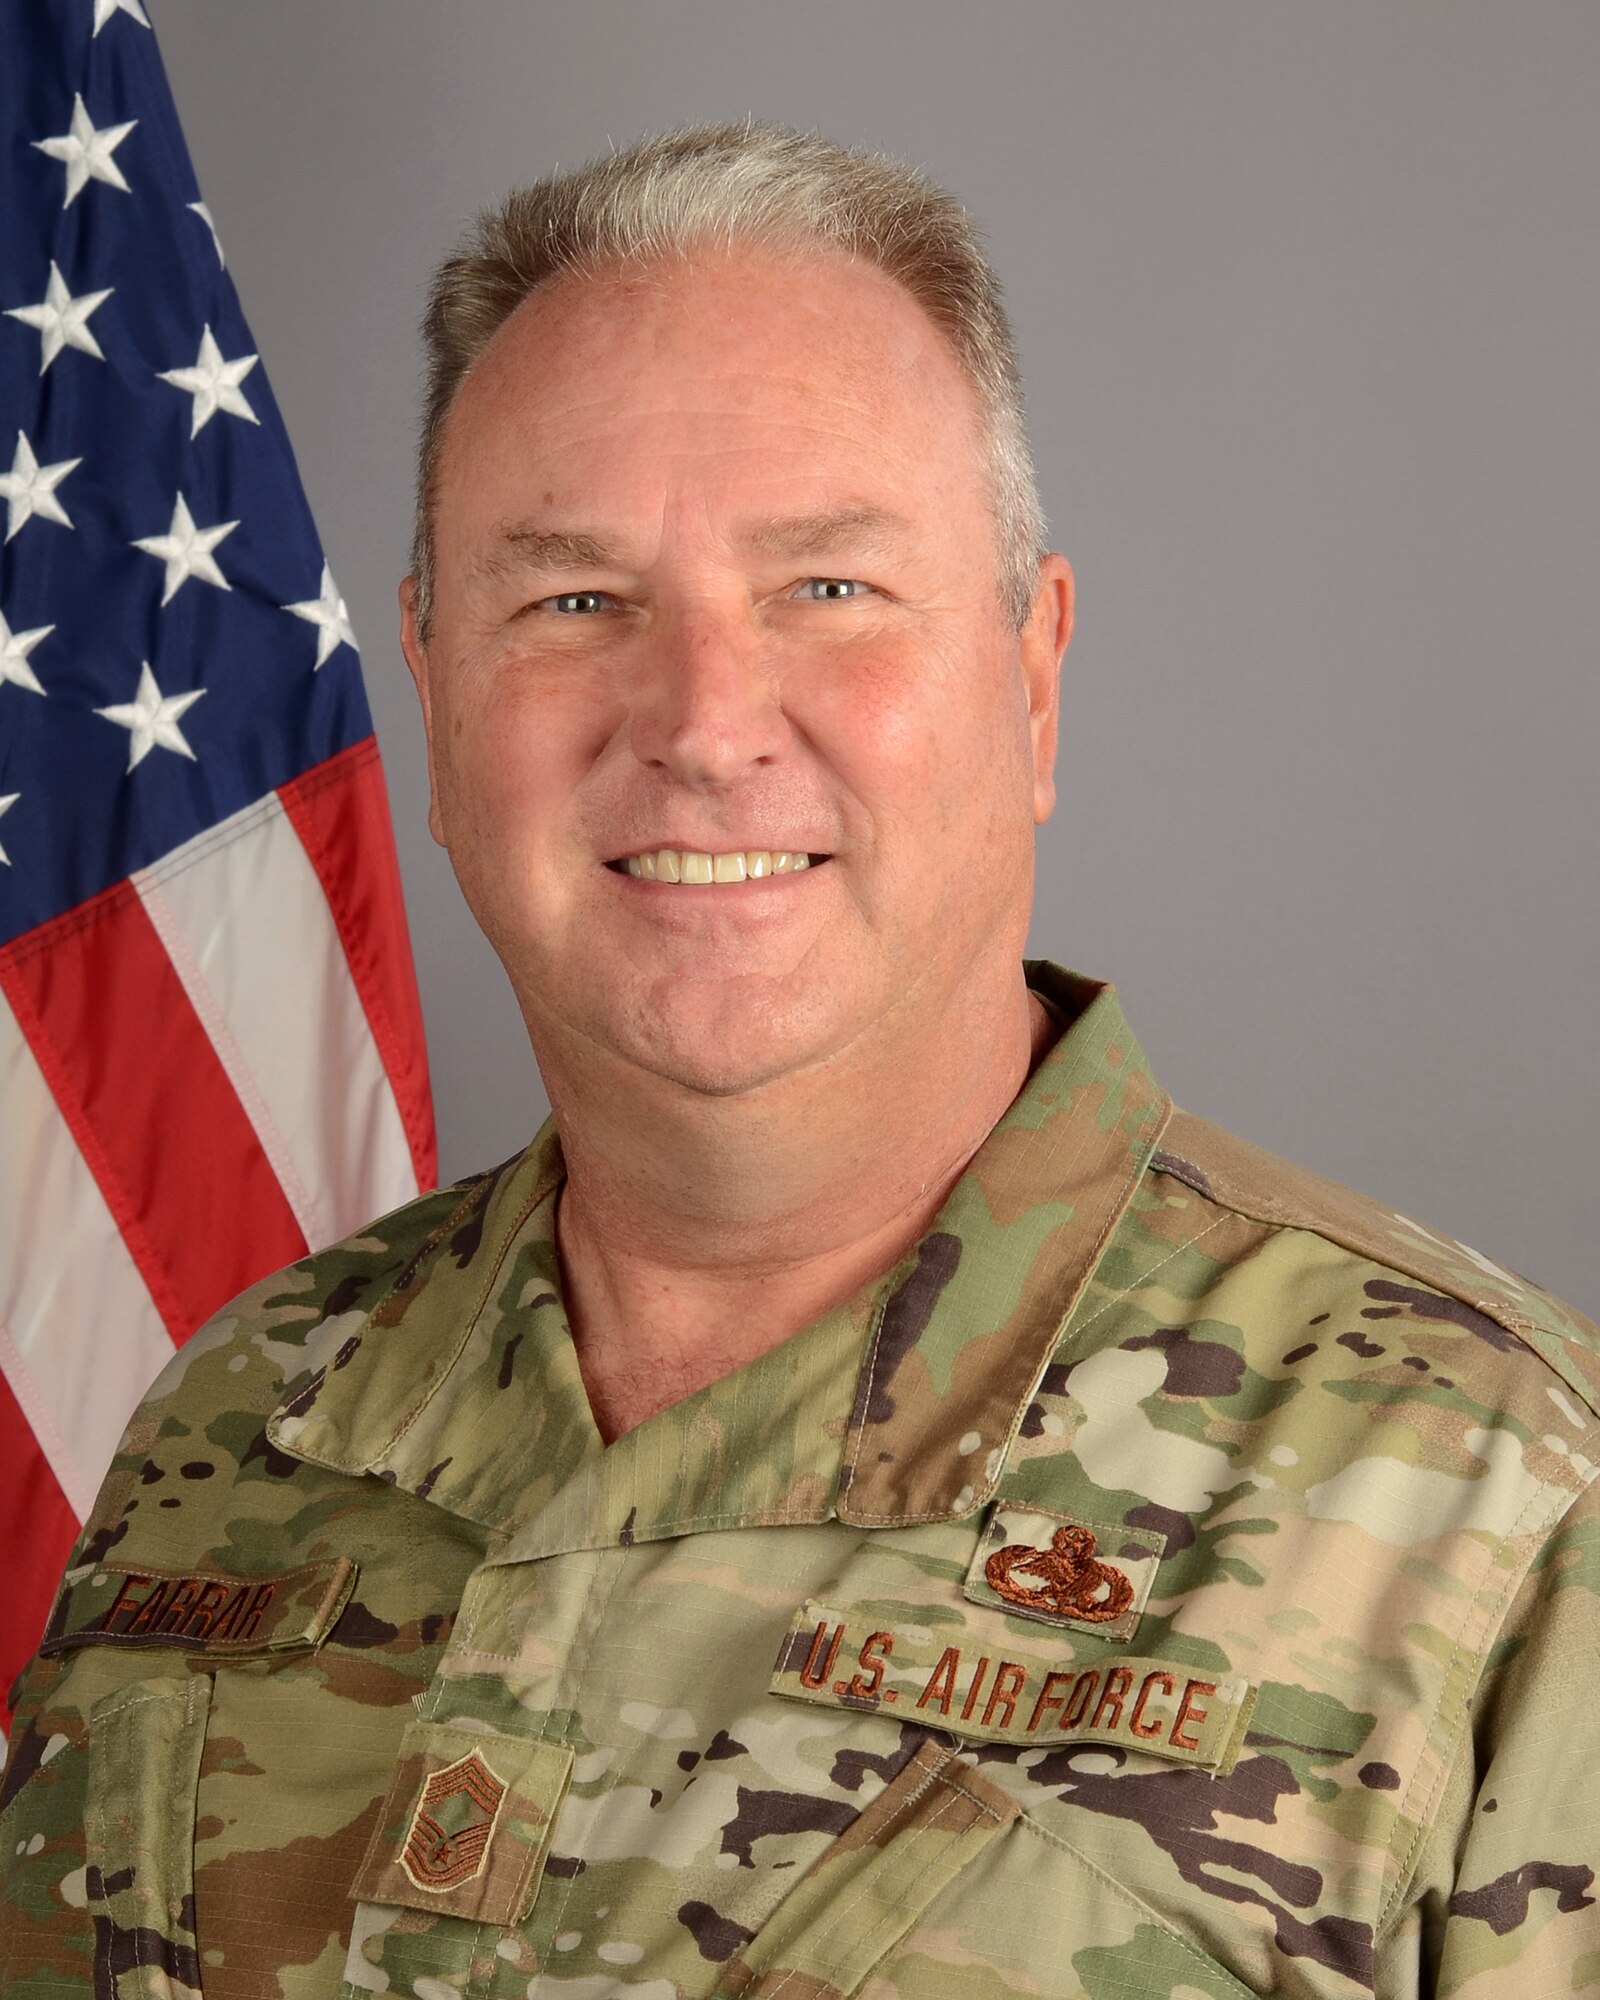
80,1337
249,932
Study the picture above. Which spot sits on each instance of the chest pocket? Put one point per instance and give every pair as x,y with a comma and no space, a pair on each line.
941,1883
177,1767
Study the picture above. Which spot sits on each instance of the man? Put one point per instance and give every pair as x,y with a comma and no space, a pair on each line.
872,1500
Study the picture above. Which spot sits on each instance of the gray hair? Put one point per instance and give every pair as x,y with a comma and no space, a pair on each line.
731,184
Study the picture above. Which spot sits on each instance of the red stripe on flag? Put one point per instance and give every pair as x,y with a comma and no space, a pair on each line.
340,809
134,1074
40,1529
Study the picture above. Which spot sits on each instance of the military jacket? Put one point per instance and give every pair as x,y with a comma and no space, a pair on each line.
1178,1577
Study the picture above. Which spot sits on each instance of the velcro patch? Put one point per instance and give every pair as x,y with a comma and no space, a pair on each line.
200,1611
1061,1570
464,1830
1025,1695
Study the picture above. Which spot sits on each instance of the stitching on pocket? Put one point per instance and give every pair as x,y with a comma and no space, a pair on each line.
97,1813
954,1781
191,1704
936,1776
886,1928
575,1670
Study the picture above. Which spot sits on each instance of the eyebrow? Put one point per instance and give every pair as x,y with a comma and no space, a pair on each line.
520,549
524,547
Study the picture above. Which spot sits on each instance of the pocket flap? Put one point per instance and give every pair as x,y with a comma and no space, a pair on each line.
869,1888
466,1824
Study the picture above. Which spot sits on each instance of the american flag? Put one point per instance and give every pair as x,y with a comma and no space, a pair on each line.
211,1052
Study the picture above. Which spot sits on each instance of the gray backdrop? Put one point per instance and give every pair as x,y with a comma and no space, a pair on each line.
1308,299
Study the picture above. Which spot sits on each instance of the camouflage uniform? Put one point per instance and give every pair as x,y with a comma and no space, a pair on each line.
1176,1578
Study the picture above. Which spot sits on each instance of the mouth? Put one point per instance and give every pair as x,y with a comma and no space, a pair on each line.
690,867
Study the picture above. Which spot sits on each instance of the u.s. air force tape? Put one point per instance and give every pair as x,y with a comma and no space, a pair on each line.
1006,1691
199,1611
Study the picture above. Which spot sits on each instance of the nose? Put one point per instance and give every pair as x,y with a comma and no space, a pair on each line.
704,709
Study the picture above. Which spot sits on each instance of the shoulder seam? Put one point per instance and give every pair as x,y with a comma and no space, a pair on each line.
1260,1205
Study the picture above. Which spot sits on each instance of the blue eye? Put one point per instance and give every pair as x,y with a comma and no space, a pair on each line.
578,603
832,589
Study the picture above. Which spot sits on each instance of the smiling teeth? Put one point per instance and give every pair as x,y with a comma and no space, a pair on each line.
673,864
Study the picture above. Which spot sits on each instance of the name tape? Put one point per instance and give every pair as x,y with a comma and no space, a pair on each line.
1021,1695
200,1611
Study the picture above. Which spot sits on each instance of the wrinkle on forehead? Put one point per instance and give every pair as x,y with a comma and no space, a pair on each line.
528,548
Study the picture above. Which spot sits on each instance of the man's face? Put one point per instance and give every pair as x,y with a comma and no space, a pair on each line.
716,575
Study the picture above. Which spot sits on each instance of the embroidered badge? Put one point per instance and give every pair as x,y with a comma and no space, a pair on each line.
1065,1572
447,1841
1064,1579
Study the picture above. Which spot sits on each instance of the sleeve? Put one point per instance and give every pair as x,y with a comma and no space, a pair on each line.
1522,1915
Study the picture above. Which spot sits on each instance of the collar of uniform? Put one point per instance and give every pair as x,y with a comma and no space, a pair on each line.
968,1326
462,1386
756,1448
944,1351
421,1392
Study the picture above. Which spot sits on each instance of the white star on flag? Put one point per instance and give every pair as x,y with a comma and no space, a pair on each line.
214,384
104,9
199,208
86,153
14,650
151,718
29,488
6,804
330,616
62,320
186,550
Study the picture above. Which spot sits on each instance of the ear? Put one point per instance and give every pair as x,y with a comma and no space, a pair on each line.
416,656
1043,642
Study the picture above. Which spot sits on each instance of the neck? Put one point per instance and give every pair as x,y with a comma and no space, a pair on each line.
697,1232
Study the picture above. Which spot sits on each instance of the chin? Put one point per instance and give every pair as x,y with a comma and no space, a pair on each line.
723,1040
711,1076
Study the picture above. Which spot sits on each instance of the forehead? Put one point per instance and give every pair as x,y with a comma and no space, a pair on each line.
798,357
